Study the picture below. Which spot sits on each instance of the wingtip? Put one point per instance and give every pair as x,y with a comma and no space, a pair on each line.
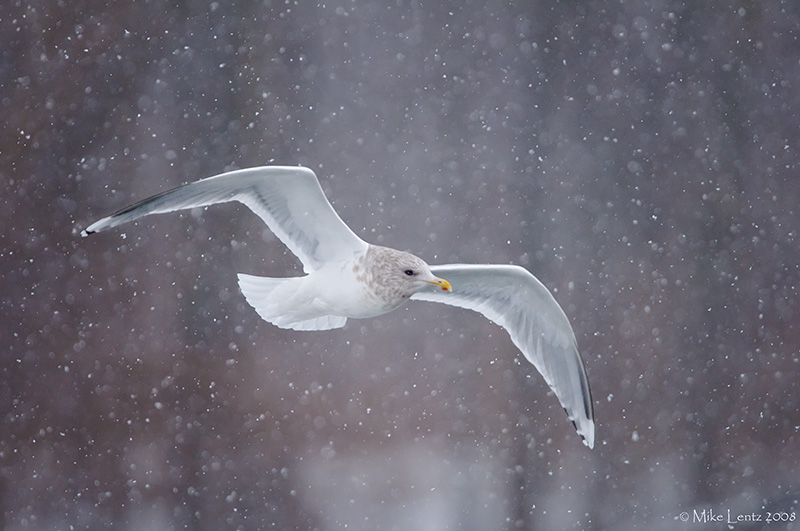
588,439
97,226
585,430
587,433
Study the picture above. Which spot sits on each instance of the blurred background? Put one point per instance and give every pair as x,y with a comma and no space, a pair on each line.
640,158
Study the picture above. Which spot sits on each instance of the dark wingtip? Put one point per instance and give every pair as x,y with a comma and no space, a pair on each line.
582,436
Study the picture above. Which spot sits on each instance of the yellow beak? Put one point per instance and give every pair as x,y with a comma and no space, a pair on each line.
442,283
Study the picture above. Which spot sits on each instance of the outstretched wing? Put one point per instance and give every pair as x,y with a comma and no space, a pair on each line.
514,299
288,199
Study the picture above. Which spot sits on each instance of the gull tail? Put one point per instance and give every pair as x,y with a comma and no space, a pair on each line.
278,301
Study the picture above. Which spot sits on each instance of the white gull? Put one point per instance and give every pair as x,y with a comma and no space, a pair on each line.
347,277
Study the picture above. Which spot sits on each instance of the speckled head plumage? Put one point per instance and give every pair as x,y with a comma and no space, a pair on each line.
396,275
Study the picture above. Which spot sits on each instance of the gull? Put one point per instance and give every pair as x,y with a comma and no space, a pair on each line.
346,277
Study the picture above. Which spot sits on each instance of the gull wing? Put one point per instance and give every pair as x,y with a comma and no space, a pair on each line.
514,299
288,199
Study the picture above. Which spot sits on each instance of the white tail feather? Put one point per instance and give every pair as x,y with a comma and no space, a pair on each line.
275,300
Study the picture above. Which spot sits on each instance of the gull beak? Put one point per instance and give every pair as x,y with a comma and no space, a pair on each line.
442,283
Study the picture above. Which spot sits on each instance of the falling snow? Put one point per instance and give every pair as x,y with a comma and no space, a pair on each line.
640,158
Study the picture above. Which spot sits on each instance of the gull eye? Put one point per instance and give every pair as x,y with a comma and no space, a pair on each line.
409,272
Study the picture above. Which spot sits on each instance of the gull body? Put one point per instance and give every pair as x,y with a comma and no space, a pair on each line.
358,287
348,278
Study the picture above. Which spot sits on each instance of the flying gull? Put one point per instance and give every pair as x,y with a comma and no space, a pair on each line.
347,277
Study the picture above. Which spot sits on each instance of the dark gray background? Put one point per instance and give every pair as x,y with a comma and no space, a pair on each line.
639,157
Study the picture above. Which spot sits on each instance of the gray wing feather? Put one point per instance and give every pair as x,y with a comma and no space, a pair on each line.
288,199
514,299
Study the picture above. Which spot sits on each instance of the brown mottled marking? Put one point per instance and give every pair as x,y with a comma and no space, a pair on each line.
384,274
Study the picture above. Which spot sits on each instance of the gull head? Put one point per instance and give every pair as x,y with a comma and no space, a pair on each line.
394,275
